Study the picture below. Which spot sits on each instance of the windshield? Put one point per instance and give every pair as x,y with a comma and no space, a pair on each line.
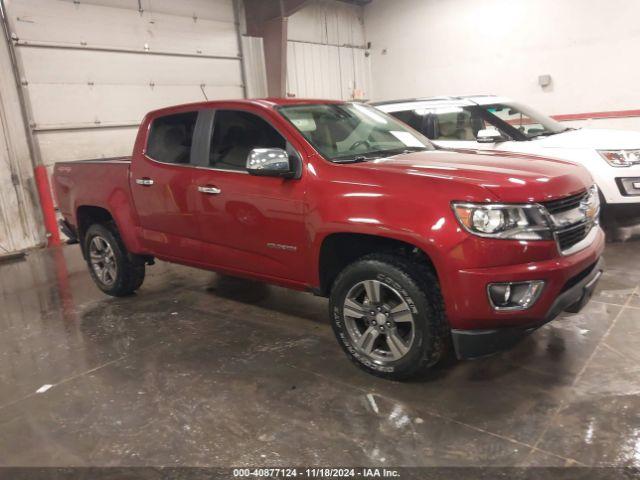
348,132
527,121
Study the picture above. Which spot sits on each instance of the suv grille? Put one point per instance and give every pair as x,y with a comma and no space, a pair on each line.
564,204
569,236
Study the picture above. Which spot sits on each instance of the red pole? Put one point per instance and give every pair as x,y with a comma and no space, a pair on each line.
46,204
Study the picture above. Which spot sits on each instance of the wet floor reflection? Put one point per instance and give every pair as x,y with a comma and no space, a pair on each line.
196,362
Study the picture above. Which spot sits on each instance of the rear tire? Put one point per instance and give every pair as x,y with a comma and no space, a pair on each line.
388,315
114,270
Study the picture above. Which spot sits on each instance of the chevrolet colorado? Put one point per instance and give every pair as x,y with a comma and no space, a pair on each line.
416,247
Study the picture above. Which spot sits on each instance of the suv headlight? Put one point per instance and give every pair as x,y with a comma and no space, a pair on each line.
621,158
516,222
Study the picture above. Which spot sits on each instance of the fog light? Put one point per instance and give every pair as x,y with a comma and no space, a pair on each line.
514,295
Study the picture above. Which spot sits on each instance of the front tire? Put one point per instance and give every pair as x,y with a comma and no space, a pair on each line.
388,315
113,269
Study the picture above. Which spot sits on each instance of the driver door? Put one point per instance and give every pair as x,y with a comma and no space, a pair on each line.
247,223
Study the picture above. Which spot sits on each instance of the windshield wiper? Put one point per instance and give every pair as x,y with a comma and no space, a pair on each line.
397,151
356,159
549,133
376,154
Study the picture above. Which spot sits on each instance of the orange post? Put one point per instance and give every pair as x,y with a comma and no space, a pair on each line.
46,205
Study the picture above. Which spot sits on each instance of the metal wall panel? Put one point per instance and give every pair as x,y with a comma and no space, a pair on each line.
254,66
313,71
205,9
327,55
18,199
60,146
60,66
330,22
63,22
327,71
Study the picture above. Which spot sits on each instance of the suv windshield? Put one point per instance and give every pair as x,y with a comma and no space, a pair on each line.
527,121
455,123
346,132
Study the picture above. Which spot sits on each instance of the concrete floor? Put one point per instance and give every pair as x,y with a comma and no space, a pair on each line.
198,369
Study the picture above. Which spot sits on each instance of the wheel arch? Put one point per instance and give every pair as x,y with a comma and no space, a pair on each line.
339,249
87,215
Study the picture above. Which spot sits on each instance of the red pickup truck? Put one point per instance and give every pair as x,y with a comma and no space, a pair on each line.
417,247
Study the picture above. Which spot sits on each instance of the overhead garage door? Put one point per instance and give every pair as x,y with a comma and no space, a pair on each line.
91,69
18,201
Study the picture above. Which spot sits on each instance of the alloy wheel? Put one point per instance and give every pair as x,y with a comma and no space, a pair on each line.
103,260
379,321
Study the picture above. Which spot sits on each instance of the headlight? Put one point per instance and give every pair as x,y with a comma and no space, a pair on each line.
517,222
592,205
621,158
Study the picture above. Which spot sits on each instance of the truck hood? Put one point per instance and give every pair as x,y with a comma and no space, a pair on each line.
592,138
512,178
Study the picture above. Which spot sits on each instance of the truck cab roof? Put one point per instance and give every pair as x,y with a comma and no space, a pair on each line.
269,102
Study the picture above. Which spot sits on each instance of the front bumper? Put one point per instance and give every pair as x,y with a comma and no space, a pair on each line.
479,343
620,214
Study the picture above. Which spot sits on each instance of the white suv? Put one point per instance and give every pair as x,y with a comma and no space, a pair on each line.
487,122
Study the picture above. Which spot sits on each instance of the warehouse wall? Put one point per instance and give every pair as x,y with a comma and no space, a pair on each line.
444,47
91,69
326,52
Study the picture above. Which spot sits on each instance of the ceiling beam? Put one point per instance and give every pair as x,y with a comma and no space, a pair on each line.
259,12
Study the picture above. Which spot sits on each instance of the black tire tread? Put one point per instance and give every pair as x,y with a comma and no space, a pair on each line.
422,274
131,268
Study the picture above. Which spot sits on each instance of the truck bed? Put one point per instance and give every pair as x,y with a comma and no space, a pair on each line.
126,159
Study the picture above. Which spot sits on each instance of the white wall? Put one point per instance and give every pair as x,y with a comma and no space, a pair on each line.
326,52
449,47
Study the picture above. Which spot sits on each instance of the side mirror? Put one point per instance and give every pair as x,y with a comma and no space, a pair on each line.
269,162
489,135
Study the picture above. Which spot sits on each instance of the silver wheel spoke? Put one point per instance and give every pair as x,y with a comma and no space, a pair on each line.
353,309
396,345
102,260
368,338
372,287
375,309
111,269
401,313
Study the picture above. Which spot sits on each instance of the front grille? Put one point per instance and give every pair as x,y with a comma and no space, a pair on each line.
565,204
568,237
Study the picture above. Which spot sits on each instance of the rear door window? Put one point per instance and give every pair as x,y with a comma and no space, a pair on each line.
171,138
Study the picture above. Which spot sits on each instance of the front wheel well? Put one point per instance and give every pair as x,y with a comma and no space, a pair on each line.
341,249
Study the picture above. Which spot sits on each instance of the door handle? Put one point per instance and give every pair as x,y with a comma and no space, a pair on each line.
145,182
209,189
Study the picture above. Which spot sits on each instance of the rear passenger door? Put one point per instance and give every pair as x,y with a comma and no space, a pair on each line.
162,187
249,223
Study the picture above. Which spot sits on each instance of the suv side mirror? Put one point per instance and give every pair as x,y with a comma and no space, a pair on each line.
489,135
270,162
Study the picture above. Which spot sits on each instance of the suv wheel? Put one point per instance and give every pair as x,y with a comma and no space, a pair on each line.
112,268
388,316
